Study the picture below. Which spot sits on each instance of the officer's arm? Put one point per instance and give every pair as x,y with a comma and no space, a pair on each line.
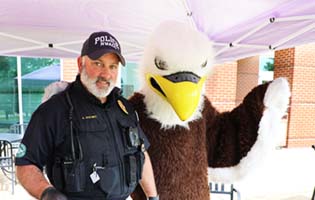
32,179
147,182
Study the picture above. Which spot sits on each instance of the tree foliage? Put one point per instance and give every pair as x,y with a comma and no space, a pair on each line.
32,64
269,65
8,65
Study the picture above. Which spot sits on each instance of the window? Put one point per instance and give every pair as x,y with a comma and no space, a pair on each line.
266,68
8,93
36,74
129,79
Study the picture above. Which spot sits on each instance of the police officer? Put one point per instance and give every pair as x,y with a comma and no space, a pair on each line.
87,137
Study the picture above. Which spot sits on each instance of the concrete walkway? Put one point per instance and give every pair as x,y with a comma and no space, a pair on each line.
289,175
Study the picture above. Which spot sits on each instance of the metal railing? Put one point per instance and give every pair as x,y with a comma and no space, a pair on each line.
221,188
7,161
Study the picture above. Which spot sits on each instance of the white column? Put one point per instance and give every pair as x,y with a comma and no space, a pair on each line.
20,99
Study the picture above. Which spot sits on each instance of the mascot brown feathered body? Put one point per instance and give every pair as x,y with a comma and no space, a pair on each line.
188,136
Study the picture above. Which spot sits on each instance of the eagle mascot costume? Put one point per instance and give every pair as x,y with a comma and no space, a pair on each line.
188,136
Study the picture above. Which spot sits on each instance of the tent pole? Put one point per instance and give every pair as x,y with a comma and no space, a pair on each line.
67,50
294,35
22,49
254,46
132,45
40,45
243,37
189,14
21,38
295,18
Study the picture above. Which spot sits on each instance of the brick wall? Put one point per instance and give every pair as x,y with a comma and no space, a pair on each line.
284,64
305,55
285,58
284,67
298,65
247,77
70,69
221,86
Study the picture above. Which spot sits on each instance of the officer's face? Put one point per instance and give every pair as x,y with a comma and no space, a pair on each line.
99,76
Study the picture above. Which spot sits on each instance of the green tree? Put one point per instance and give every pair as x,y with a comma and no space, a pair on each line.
32,64
7,67
269,65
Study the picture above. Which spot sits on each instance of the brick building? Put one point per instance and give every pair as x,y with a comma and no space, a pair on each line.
231,81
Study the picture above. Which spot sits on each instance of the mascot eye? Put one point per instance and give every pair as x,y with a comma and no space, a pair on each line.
204,64
160,64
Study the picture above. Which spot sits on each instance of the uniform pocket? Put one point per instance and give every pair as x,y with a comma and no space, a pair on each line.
110,181
74,174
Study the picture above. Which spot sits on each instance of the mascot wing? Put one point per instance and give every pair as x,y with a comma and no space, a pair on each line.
247,134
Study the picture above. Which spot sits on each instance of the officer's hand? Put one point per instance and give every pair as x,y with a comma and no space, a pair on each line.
51,193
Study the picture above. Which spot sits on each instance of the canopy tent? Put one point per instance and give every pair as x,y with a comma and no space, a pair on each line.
57,28
48,73
40,78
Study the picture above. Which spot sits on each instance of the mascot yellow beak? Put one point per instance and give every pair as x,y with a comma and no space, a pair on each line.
182,90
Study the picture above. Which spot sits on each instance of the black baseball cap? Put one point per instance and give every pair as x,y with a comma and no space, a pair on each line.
100,43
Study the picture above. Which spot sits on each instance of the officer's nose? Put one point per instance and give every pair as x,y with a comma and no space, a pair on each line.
106,73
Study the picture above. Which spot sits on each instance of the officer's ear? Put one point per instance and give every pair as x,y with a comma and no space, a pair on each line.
80,61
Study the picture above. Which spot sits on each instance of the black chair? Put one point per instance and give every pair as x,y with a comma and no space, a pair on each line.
17,129
221,188
7,161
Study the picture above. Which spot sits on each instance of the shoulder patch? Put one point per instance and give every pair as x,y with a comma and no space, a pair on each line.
122,106
22,151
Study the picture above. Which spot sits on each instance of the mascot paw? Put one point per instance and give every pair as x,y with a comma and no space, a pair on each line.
277,95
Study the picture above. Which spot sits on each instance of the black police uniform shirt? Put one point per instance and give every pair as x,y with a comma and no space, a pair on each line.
49,125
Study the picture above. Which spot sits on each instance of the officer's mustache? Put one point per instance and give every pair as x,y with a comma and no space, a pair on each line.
109,82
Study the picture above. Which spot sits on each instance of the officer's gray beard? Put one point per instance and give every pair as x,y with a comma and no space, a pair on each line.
90,84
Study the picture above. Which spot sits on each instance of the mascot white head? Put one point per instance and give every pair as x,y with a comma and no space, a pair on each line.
175,65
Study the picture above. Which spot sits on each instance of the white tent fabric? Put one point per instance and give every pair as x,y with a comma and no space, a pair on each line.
50,73
57,28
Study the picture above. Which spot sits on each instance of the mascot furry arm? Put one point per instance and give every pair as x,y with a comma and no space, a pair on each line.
187,134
